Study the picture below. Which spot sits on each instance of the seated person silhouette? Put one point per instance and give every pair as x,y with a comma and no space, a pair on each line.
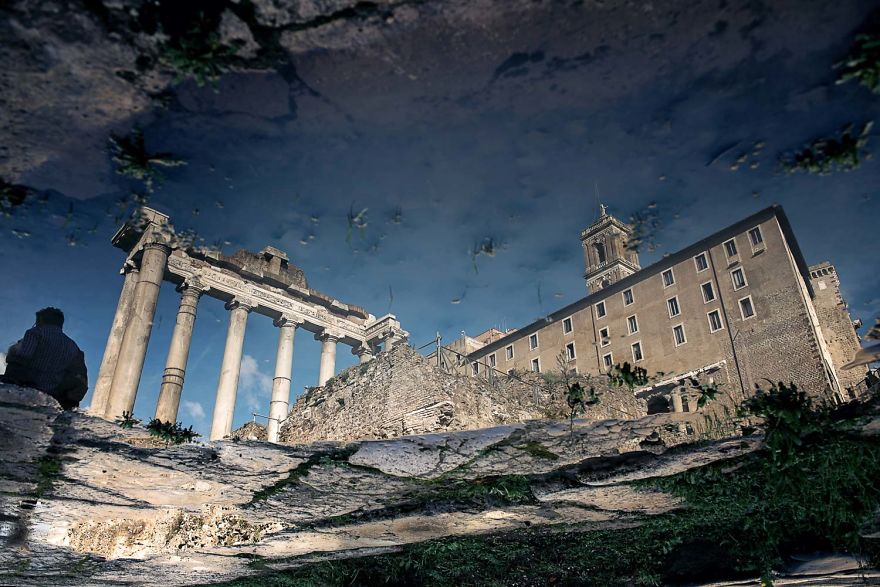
48,360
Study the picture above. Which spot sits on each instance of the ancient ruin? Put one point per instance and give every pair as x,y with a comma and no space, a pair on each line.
263,283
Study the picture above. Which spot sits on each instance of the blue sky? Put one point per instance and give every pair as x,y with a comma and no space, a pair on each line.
505,136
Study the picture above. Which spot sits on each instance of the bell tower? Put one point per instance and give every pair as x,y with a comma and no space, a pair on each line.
605,254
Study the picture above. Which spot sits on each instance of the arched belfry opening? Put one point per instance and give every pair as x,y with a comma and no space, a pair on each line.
600,252
606,256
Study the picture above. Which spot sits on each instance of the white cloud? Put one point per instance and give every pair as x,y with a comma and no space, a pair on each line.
2,362
254,385
195,410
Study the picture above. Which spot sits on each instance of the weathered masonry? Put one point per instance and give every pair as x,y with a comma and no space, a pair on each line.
740,305
261,283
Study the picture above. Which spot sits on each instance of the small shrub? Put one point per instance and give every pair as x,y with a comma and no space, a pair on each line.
825,155
789,417
577,398
133,161
11,196
863,63
626,374
127,420
171,432
199,54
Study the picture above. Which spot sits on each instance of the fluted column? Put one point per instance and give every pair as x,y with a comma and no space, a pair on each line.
281,383
133,350
364,353
101,392
178,352
227,387
328,357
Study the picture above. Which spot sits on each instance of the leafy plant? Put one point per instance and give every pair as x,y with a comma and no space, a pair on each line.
626,374
826,155
127,420
356,221
487,246
199,54
862,63
707,391
133,161
645,226
171,432
789,418
577,398
11,196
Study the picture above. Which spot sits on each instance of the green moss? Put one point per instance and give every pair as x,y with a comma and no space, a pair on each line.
48,471
536,449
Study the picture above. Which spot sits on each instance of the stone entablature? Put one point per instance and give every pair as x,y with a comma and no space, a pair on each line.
262,283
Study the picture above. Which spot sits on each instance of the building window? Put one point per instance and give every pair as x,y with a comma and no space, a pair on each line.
492,361
730,248
756,238
746,308
672,306
475,367
637,352
738,277
701,262
678,334
604,337
668,278
509,351
628,297
632,324
600,310
607,360
567,326
708,292
569,351
536,365
715,323
533,341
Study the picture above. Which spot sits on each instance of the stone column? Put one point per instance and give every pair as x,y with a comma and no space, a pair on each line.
363,352
677,406
328,357
133,350
178,352
227,387
278,408
114,342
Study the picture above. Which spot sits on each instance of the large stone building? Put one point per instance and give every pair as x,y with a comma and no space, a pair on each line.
740,306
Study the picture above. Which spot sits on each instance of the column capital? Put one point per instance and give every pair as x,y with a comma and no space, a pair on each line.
328,336
287,320
193,286
245,304
362,349
129,267
157,245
